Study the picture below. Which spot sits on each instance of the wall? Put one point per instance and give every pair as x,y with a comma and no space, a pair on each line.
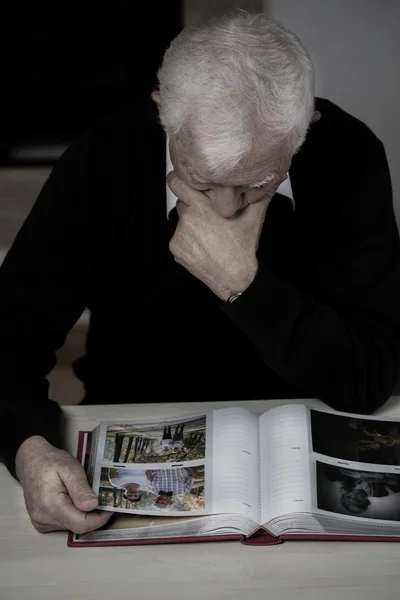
195,11
355,46
18,191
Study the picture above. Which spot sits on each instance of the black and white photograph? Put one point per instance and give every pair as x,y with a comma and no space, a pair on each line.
176,440
358,493
355,439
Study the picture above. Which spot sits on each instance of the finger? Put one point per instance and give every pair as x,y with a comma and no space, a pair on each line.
178,186
254,216
76,483
184,192
180,207
256,211
79,521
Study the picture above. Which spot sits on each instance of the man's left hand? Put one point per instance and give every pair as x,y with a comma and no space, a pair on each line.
219,251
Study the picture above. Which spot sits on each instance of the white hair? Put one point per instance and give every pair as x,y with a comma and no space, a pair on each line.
233,80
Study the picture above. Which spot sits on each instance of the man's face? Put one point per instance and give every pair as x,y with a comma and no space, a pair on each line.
255,179
132,496
163,500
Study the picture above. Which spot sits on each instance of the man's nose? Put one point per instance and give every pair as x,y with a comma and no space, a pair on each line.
226,200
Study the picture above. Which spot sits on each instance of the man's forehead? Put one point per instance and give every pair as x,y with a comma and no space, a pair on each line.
237,177
265,164
256,173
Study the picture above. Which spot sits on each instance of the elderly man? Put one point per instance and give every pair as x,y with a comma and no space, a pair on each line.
167,483
276,274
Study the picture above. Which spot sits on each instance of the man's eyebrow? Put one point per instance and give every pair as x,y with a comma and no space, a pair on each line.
257,184
264,181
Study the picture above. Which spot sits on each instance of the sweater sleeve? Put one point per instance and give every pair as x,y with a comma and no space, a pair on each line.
338,337
44,286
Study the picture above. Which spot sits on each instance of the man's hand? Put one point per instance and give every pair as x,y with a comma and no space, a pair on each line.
57,493
220,252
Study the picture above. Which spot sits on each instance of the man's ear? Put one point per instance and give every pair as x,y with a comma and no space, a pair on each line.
316,116
156,97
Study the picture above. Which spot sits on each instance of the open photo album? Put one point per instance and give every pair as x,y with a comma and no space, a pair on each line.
292,473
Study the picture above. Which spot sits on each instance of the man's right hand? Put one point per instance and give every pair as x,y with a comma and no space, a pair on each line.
57,493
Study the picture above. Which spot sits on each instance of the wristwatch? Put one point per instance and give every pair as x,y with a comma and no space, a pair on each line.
234,296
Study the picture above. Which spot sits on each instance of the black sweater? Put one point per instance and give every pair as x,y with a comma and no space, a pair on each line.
321,319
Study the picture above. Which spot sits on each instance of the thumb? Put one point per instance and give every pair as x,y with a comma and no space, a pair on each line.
79,489
256,211
254,214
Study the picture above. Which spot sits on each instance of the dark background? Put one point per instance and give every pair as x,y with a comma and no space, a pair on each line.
63,65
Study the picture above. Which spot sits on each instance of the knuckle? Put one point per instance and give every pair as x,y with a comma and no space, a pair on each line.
39,521
40,527
171,176
173,180
36,516
172,246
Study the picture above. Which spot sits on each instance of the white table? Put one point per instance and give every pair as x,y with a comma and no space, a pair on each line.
34,566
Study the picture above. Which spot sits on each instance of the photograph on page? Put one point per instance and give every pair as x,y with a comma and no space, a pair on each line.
137,521
158,490
356,439
172,440
366,494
